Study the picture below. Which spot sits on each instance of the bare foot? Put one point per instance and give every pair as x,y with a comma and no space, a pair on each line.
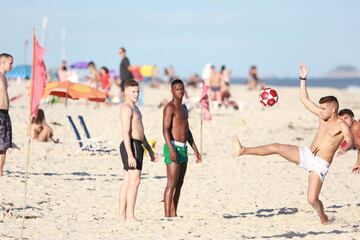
324,220
133,220
122,220
237,147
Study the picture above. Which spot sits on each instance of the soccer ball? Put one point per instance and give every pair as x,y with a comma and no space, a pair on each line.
268,97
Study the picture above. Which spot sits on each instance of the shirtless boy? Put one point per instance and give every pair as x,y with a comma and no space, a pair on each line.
348,116
176,132
131,150
6,61
316,159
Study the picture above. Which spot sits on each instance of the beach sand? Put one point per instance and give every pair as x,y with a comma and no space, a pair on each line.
76,196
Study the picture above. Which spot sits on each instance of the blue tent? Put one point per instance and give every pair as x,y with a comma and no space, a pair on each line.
20,71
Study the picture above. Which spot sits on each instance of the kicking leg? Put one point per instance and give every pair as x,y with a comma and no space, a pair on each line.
133,185
122,197
179,185
289,152
173,171
314,188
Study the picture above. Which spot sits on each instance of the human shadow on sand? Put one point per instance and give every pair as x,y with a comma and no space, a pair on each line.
264,213
269,212
73,176
293,234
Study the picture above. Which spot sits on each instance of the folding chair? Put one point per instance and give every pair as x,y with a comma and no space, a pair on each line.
91,145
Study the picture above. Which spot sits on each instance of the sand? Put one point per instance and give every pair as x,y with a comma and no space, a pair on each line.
76,196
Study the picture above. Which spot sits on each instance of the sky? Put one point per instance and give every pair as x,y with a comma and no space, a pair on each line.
275,35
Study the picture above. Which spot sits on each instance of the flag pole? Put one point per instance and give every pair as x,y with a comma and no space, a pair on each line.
28,139
201,132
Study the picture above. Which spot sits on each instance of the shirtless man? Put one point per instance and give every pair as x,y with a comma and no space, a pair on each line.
176,132
131,150
6,61
348,116
316,159
215,87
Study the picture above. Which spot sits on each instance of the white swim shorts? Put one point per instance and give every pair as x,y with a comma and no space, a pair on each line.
313,163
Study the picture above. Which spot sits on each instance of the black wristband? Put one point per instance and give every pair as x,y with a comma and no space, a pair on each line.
302,78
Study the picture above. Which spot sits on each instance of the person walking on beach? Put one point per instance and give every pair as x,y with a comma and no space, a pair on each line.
316,159
215,87
176,133
131,150
6,62
125,69
348,116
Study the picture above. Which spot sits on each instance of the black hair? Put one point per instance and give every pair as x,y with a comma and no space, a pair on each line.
330,99
177,81
131,83
346,111
5,55
40,117
105,69
91,63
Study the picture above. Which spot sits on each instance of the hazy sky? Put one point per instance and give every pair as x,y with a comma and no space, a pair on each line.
273,34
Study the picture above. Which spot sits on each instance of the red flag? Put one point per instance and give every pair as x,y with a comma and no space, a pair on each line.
204,101
39,77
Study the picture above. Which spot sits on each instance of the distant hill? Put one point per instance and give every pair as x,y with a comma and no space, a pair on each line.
344,71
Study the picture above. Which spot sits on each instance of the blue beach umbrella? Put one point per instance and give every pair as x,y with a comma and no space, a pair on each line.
20,71
79,65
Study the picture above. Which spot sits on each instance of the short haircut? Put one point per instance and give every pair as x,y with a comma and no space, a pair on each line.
177,81
346,111
131,83
330,99
123,49
5,55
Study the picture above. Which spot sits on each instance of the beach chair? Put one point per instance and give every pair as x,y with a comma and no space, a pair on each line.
89,145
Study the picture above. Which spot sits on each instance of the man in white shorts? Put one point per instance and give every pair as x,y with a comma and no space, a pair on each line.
317,158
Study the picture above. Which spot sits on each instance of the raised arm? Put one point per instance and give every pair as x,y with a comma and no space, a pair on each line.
304,97
167,122
125,117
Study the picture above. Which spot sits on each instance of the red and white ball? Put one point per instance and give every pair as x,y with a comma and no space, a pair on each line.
268,97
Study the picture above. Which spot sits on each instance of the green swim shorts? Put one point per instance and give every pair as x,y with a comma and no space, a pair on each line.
181,153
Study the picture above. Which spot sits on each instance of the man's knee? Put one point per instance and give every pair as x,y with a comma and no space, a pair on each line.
276,147
179,183
136,182
171,183
313,201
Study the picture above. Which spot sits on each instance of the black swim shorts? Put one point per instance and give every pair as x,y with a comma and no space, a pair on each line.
5,130
138,152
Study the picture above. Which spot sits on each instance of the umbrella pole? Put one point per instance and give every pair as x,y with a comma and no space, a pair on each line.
66,102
